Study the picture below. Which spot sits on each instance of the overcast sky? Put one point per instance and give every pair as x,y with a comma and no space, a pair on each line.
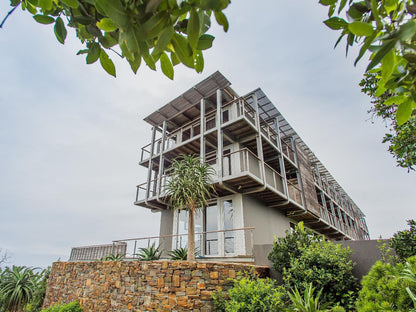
70,134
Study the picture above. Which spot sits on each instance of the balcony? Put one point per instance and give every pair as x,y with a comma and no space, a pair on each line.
236,245
238,120
241,172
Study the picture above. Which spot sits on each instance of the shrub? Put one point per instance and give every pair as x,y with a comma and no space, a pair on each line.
179,254
404,242
251,295
383,288
326,266
150,254
308,302
111,257
73,306
289,247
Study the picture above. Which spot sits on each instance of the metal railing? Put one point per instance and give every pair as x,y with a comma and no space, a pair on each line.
220,243
235,163
96,252
193,129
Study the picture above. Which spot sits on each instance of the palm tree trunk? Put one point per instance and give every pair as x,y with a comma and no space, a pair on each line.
191,236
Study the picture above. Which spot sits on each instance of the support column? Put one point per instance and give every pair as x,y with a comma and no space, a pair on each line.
219,134
161,159
149,171
202,132
281,158
258,139
298,175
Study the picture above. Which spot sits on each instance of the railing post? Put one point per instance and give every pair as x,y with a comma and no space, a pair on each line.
149,172
161,159
281,158
202,132
219,135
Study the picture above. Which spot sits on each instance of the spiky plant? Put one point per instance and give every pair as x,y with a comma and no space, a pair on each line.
112,257
307,303
150,254
178,254
409,274
189,188
17,286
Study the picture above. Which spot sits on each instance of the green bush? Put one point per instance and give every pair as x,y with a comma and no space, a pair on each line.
73,306
326,266
290,247
404,242
251,295
384,289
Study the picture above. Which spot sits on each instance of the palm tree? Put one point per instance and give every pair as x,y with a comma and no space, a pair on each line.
189,188
17,286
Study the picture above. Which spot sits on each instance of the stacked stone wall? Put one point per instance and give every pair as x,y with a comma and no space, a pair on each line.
125,286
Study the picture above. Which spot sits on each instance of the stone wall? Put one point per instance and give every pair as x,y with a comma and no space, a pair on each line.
141,286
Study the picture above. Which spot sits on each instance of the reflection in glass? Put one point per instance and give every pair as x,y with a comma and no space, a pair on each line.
228,225
211,239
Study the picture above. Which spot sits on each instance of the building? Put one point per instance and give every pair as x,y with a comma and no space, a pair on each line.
266,178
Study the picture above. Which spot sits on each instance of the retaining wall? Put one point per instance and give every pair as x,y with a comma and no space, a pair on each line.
141,286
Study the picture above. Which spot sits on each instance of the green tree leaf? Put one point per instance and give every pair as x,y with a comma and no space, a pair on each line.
71,3
107,24
44,19
221,20
387,65
154,26
336,23
60,30
183,50
361,28
398,99
193,28
387,46
46,5
107,63
166,65
94,53
199,61
408,30
114,10
164,39
404,111
327,2
205,42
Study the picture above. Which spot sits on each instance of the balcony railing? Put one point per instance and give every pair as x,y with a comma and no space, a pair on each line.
96,252
234,164
221,243
235,109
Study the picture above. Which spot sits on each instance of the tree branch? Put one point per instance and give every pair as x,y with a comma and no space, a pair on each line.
7,16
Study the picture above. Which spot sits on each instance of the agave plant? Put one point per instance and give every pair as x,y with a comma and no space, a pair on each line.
17,287
178,254
112,257
409,275
149,254
307,303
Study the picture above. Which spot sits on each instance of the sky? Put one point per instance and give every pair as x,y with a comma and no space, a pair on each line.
70,134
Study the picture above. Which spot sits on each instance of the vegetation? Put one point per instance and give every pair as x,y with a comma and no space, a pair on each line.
291,246
401,138
249,295
386,30
74,306
178,254
112,257
189,188
404,242
384,289
150,254
307,302
17,287
305,259
324,265
168,31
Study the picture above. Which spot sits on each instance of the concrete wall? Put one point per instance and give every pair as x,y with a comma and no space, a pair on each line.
166,228
126,286
364,253
269,222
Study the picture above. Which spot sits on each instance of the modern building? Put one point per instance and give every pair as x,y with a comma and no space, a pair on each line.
267,178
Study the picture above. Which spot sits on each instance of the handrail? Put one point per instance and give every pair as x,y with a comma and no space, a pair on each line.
185,234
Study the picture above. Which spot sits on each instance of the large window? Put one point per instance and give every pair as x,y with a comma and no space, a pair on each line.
214,218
